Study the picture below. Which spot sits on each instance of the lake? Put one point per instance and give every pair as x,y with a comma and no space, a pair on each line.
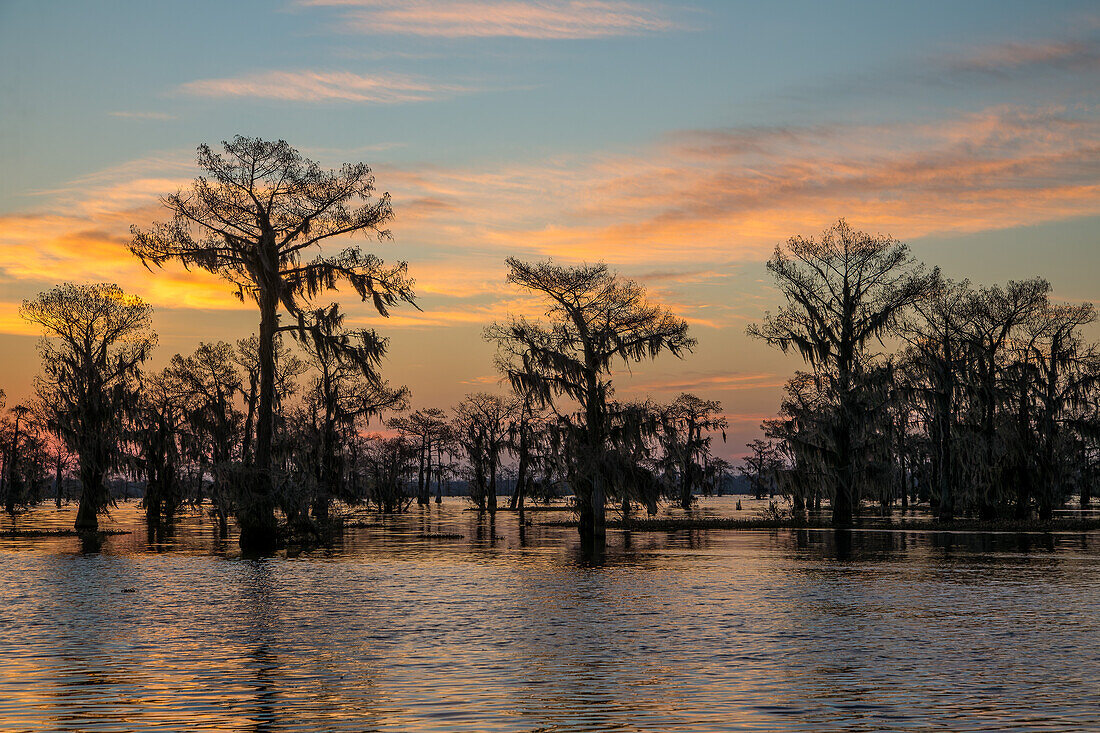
438,620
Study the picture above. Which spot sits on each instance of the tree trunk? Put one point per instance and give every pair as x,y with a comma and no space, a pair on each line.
257,512
798,504
522,468
421,489
986,506
330,473
198,483
585,520
843,500
439,473
246,439
1046,508
91,488
12,486
153,490
57,481
944,472
903,478
479,480
599,499
492,487
592,524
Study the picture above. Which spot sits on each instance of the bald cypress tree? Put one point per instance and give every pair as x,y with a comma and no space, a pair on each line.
95,339
843,291
252,217
594,320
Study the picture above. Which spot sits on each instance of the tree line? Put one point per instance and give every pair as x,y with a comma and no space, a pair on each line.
982,401
235,426
979,401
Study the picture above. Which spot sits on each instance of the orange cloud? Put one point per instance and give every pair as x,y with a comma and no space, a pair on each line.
12,323
714,195
711,198
49,248
81,234
547,19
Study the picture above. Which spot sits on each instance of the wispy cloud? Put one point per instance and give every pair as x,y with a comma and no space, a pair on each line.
726,194
725,381
716,197
45,249
1052,68
1007,60
142,115
323,86
544,19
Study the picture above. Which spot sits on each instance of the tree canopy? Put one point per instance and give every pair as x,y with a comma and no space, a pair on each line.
95,339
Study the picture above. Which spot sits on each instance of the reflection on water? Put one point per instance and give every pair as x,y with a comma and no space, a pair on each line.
439,620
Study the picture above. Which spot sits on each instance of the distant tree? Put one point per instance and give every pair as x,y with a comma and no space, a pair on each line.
250,220
25,452
761,466
388,463
631,467
160,423
843,291
686,426
340,394
937,355
1085,423
1065,373
46,406
96,338
995,316
594,319
211,381
526,427
4,451
481,426
804,432
719,471
207,384
447,450
12,481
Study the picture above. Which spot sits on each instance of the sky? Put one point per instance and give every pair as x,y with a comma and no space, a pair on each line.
679,142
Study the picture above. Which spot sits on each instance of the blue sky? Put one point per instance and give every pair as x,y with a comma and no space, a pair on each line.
69,68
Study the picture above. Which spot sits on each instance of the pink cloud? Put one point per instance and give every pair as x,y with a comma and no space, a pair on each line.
323,86
544,19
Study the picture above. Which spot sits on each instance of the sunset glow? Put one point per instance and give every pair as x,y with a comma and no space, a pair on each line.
663,366
520,128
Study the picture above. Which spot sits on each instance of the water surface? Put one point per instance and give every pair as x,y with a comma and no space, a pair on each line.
439,620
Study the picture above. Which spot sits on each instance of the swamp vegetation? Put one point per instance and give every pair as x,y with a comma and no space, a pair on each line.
978,402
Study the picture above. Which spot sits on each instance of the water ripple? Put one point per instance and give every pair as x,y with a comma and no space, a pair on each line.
396,629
